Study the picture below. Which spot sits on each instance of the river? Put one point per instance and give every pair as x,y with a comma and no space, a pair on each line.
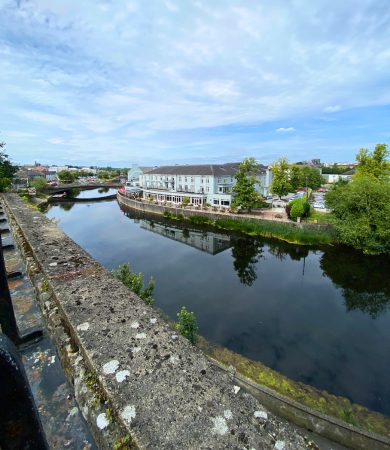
320,316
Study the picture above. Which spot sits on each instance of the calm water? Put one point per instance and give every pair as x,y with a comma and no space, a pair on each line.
318,317
93,193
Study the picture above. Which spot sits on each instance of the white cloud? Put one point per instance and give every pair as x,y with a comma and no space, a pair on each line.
332,109
285,130
129,71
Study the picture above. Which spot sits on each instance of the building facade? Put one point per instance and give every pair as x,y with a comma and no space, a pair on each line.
202,184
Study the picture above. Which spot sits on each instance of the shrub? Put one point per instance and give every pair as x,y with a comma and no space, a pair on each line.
187,325
186,201
298,208
134,281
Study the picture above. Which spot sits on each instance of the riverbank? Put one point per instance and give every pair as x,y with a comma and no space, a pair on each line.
291,232
359,417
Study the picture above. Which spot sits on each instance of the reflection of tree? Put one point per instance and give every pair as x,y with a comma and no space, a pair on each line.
363,279
74,192
246,253
281,249
103,190
66,206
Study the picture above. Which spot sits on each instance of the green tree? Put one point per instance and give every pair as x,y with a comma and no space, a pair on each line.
296,177
281,177
187,325
312,176
362,213
244,190
302,176
7,170
373,164
39,184
66,176
134,281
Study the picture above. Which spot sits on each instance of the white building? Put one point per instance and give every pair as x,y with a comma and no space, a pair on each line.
206,183
334,177
134,173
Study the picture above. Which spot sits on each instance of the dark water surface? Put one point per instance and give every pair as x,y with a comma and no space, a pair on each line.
320,317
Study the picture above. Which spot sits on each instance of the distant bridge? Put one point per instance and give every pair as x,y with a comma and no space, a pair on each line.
81,187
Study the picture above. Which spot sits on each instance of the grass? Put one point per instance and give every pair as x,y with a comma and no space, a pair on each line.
320,217
283,231
321,401
256,227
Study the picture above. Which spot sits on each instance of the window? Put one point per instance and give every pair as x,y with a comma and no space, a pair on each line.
207,189
216,202
207,180
225,202
192,179
185,179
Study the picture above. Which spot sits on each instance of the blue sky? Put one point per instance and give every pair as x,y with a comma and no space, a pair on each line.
155,82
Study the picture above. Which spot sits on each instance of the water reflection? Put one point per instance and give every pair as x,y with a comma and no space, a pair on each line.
66,206
364,280
212,243
246,253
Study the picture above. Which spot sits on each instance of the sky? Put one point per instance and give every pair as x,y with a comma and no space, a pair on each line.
100,82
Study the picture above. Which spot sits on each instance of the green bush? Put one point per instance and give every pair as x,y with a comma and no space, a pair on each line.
134,281
299,207
186,201
187,325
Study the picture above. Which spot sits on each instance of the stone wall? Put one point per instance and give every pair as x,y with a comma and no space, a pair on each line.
152,208
135,378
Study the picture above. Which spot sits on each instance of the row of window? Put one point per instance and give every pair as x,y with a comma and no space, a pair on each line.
223,202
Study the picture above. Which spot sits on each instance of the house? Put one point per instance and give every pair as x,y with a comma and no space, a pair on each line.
201,184
334,177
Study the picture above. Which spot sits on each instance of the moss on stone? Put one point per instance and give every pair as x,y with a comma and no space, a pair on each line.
309,396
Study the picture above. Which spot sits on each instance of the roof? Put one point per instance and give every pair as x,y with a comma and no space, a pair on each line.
219,170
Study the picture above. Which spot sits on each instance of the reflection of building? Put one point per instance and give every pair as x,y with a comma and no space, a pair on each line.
206,242
201,184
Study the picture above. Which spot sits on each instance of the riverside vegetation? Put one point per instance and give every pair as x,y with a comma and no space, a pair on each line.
255,227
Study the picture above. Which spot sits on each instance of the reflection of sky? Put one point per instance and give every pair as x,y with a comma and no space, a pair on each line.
94,193
293,323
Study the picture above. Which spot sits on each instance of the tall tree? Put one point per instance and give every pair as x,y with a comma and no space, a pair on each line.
311,177
7,170
281,177
373,164
296,178
244,189
362,214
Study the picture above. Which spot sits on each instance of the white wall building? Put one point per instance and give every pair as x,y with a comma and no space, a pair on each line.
134,173
206,183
